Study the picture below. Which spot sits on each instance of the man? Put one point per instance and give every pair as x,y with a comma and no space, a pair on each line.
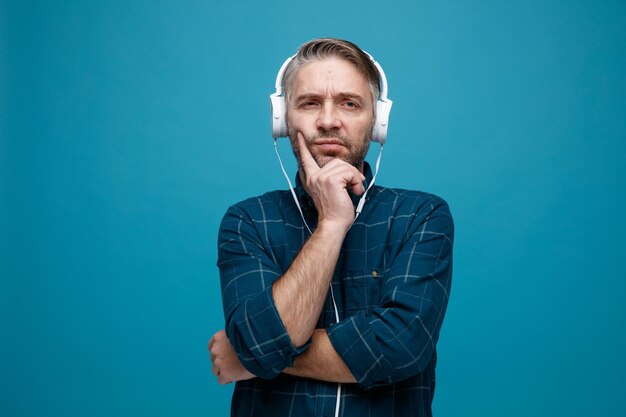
367,346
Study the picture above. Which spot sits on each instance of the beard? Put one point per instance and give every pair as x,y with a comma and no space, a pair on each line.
356,149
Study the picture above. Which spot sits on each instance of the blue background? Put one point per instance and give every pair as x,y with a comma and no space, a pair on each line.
128,127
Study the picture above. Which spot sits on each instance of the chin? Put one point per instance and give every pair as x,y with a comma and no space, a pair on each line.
324,159
327,157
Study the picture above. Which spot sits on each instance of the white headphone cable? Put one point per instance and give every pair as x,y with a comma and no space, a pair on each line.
293,193
338,402
359,207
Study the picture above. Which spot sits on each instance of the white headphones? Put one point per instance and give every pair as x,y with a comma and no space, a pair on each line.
279,106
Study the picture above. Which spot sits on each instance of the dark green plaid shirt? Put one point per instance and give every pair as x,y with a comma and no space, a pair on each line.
391,284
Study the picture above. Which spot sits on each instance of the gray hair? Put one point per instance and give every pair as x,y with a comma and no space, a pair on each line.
322,48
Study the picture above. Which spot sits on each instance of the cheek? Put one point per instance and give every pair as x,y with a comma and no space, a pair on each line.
361,128
295,124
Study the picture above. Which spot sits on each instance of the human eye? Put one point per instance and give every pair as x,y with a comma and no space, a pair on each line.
350,104
308,104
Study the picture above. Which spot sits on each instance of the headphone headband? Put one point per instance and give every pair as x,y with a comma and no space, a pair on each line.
279,108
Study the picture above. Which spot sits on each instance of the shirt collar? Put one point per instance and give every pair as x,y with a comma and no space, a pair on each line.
307,202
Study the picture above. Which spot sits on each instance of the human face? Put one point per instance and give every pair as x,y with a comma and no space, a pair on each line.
331,104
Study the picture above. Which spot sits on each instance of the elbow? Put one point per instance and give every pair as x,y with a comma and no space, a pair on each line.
258,337
404,366
404,356
395,366
260,361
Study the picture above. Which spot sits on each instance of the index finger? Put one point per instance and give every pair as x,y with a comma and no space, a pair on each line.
308,163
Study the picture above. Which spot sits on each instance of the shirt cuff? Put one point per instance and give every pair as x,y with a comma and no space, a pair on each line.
260,338
355,342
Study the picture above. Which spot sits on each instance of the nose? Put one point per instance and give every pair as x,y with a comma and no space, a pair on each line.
328,117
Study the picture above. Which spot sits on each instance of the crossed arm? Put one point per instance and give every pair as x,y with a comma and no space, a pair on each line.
319,361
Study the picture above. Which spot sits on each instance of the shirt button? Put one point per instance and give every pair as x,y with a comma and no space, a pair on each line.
375,274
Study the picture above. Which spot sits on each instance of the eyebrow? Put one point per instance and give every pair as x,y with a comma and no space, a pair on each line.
347,94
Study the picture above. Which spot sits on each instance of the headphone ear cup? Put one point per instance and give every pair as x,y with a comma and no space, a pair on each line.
279,119
379,132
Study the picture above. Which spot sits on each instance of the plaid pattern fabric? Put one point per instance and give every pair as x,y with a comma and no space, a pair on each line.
391,284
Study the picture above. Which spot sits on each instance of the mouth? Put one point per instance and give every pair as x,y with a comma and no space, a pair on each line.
330,147
329,141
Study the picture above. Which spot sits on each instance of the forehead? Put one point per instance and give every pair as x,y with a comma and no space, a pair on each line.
330,75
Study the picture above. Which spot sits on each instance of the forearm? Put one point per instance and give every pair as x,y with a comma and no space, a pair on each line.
320,361
300,293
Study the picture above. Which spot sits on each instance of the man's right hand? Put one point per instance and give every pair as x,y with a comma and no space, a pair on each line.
328,188
226,365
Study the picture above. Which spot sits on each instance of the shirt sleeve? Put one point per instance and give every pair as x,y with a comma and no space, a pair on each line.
247,273
396,339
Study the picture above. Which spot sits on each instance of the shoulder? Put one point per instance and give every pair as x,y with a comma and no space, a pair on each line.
403,201
412,212
267,222
273,207
258,206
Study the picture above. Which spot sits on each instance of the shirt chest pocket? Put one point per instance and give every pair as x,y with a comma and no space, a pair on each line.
362,289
